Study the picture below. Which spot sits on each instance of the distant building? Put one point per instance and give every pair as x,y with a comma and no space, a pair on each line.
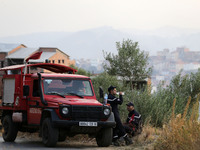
165,53
8,49
50,55
160,78
94,66
167,64
54,55
18,56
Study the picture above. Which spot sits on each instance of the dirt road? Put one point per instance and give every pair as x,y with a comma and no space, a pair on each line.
26,143
31,141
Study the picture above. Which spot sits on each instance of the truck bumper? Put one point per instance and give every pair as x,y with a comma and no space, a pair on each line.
68,123
58,123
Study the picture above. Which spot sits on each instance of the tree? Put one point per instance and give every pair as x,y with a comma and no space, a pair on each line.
81,71
130,63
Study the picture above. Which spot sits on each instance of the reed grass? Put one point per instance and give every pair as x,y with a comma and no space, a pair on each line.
182,132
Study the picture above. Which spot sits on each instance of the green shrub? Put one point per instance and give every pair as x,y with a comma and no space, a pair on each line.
156,107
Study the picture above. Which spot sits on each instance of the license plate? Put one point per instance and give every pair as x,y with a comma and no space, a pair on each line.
88,124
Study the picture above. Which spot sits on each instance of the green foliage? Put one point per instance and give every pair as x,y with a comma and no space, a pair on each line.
152,107
104,80
81,71
156,108
181,87
130,63
141,101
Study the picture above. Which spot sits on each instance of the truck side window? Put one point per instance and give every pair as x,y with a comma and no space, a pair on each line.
36,92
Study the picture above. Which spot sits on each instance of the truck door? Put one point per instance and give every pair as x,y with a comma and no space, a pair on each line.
34,108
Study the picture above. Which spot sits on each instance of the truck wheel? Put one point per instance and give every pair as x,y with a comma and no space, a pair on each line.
104,137
62,137
10,129
49,133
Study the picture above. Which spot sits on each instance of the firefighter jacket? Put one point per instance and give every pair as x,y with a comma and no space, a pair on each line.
114,102
133,119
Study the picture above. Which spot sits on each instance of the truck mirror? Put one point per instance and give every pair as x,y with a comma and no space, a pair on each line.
100,92
25,90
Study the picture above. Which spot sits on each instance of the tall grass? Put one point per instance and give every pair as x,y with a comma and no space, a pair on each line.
181,132
155,108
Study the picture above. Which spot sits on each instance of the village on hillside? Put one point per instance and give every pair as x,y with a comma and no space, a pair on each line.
167,64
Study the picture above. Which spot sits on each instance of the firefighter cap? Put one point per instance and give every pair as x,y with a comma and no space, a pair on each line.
111,88
130,104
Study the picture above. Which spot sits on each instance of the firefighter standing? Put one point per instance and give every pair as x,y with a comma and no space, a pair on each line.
119,130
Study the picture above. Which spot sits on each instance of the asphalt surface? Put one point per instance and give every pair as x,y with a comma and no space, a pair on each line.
36,144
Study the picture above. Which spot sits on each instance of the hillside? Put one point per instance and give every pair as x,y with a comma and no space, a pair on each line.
90,43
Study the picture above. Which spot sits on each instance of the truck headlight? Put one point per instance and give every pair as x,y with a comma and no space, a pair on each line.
106,112
65,110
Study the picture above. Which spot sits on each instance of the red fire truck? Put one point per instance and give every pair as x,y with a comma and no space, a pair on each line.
55,105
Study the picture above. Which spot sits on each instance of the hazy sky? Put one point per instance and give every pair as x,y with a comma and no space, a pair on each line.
29,16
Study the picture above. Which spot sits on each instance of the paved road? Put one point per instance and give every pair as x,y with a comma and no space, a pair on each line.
36,144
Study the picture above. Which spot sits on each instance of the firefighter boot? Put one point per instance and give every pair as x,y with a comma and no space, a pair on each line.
116,142
128,140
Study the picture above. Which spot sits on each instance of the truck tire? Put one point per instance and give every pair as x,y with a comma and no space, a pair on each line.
10,129
62,137
49,133
104,137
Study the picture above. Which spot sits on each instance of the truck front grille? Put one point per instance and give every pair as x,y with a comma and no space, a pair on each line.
86,113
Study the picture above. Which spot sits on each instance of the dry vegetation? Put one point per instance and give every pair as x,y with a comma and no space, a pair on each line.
181,132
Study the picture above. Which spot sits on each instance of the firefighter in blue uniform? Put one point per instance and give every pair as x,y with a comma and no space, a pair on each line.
133,123
119,130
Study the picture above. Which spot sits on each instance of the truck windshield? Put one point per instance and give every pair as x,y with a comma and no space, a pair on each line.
73,87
